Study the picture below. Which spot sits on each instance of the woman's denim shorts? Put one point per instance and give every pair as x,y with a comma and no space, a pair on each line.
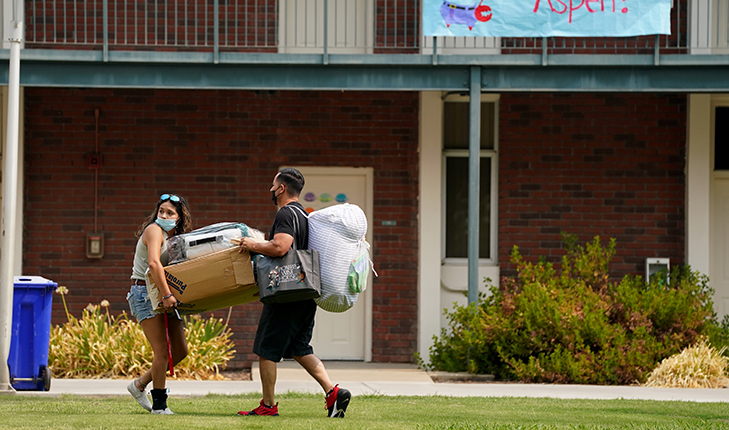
139,303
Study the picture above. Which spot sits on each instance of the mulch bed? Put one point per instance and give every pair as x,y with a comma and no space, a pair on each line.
237,374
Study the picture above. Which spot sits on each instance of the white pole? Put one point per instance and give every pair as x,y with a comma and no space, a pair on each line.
10,201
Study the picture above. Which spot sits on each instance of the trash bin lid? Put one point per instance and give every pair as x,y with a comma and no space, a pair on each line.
34,281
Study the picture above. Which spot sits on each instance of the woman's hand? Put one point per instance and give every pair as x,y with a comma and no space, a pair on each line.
169,303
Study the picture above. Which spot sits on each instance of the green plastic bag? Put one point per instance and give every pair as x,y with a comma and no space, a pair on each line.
359,270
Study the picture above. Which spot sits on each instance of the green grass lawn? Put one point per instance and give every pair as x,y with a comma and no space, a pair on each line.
306,411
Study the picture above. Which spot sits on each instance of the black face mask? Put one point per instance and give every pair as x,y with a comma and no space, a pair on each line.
274,197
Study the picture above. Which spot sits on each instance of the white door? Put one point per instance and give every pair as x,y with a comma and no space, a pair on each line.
349,26
719,276
346,335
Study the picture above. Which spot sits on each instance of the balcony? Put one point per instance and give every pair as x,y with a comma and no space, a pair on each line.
374,34
322,27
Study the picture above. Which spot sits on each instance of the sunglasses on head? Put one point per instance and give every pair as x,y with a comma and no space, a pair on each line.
172,197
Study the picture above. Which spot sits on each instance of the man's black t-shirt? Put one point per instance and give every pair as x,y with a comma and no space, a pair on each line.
285,329
284,223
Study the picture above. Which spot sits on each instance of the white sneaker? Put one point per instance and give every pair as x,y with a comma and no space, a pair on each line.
165,411
139,396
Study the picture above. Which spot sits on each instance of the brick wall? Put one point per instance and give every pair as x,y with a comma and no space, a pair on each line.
183,26
220,149
397,26
610,165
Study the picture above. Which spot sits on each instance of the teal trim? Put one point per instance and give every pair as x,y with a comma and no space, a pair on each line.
146,75
607,79
90,71
537,60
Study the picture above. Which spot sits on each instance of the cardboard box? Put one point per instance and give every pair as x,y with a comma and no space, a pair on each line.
214,281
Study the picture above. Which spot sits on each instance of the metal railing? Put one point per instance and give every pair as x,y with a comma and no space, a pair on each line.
153,24
319,26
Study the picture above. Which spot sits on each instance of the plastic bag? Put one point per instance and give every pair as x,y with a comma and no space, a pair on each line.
208,239
359,270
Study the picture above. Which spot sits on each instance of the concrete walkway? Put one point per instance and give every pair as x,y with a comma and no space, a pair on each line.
385,379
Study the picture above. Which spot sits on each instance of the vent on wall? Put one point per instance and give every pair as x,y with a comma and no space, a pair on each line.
655,265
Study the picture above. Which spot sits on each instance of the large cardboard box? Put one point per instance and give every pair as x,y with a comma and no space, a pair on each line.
214,281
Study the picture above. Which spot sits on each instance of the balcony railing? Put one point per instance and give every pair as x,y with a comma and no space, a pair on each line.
295,26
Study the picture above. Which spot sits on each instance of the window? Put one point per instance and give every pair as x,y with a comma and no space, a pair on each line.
721,138
455,190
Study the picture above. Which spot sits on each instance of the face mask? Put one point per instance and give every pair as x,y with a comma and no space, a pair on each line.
166,224
274,197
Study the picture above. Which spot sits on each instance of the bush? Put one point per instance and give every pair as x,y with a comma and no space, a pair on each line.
576,325
101,346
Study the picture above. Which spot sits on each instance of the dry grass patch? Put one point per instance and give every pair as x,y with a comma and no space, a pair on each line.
698,366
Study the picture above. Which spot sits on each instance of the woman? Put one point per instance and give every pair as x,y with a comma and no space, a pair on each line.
171,217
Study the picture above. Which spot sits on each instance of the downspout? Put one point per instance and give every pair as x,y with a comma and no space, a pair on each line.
10,199
474,173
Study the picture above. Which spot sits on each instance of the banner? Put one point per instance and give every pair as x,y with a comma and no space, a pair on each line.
545,18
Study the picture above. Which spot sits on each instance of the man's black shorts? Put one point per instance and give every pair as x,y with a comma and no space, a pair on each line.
285,330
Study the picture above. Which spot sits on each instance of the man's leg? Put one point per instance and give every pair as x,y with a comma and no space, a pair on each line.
267,369
337,399
316,369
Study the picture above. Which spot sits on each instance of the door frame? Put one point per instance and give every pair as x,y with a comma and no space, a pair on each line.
716,101
700,183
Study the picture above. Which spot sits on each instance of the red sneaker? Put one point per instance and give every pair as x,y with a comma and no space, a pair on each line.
262,410
337,402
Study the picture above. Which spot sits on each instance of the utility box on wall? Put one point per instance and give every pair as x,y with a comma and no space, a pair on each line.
94,245
655,265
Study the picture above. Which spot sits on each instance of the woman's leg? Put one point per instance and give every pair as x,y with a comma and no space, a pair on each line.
154,330
144,380
177,339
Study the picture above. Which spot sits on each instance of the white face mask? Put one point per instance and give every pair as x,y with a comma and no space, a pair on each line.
166,224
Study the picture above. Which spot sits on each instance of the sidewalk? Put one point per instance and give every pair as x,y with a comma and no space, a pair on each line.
384,379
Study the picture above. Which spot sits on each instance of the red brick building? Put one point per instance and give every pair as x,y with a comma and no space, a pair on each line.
594,139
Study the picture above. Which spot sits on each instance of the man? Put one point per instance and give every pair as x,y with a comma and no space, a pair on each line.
285,329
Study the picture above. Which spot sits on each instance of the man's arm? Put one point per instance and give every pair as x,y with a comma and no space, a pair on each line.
276,247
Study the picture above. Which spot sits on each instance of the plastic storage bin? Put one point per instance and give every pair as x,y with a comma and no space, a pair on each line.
31,333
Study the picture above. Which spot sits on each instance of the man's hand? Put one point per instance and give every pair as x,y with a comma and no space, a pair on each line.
249,244
244,246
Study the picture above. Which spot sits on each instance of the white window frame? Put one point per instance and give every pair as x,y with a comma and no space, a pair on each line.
493,155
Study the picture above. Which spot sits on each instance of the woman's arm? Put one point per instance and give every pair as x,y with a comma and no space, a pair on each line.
154,238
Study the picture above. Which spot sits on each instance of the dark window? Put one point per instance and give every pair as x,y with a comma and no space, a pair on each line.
456,210
721,139
456,133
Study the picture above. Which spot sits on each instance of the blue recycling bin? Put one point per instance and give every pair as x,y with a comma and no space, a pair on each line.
31,333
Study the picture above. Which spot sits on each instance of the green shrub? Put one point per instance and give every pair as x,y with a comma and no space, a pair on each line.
101,346
576,325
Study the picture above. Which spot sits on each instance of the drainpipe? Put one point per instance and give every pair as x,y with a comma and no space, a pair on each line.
10,199
474,173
